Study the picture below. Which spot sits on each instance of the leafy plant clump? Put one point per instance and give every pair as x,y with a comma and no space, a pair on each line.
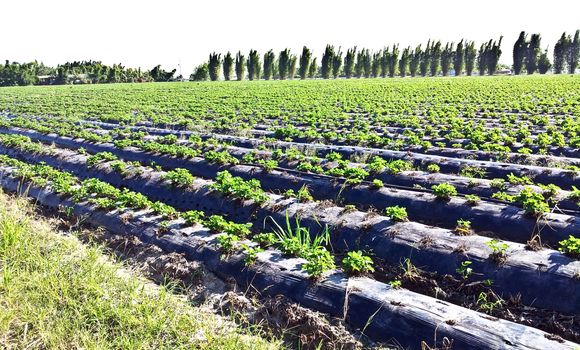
444,191
357,263
571,247
239,188
396,213
179,177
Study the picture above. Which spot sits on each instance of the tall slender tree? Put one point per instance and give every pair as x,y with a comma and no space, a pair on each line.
404,61
573,52
470,55
326,62
532,53
393,60
560,54
349,60
493,55
367,63
425,59
415,60
359,66
214,66
269,61
376,64
254,65
240,66
458,59
385,60
228,66
305,58
313,69
482,59
283,63
435,58
519,52
292,67
336,63
446,58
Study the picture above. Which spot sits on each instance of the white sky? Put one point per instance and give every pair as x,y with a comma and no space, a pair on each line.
145,33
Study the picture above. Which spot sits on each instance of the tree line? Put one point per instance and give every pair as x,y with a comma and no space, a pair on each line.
78,72
433,59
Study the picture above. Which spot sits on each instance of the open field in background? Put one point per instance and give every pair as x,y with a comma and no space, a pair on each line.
374,201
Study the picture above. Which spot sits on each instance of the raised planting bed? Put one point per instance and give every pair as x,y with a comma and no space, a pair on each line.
505,221
540,277
382,312
556,176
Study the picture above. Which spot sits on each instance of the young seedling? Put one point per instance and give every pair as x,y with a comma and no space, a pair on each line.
319,260
571,247
226,242
485,304
498,254
377,184
264,239
464,270
357,263
396,213
444,191
179,177
472,200
463,227
251,254
433,168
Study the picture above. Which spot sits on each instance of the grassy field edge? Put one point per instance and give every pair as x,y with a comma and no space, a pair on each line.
58,293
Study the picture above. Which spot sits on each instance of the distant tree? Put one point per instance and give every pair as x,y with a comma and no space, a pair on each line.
269,60
240,66
404,61
201,73
376,64
305,59
425,59
458,59
349,61
313,69
253,65
482,59
573,52
415,60
228,66
470,55
435,58
493,54
560,53
158,74
367,63
326,62
519,52
283,63
359,66
532,53
292,67
214,66
385,60
446,58
336,63
544,62
393,60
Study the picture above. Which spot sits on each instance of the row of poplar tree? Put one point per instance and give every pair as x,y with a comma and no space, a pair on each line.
527,54
432,60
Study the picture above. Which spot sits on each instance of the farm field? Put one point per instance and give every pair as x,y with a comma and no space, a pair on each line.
433,212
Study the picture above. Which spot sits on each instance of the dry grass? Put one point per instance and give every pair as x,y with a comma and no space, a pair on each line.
56,293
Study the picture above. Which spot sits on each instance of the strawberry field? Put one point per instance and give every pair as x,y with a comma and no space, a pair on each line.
438,212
